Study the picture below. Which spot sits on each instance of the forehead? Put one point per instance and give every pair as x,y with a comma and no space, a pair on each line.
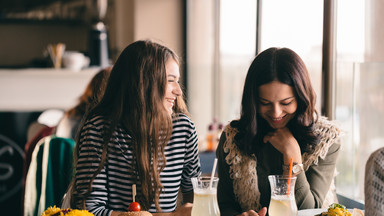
172,68
275,91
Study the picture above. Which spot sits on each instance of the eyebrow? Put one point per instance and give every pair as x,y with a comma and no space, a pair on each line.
260,98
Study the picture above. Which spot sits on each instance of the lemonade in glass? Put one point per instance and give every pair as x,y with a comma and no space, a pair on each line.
205,199
283,201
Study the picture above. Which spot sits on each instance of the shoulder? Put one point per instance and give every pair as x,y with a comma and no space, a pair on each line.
327,128
182,120
329,134
229,130
228,142
97,121
376,159
93,126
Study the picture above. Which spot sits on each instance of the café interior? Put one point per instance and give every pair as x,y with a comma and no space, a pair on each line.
340,41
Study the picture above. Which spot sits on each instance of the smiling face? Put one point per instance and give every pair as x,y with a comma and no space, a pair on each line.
172,89
277,103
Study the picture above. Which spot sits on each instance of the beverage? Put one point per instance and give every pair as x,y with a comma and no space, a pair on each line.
205,203
283,201
282,206
205,199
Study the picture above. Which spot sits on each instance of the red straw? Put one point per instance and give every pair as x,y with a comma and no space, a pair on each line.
289,176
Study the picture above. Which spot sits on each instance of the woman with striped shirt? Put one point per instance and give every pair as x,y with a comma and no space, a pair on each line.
139,133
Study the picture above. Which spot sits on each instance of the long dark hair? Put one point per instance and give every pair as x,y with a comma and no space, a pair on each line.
285,66
134,99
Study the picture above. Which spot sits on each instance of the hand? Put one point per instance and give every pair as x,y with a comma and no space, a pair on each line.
283,140
185,209
262,212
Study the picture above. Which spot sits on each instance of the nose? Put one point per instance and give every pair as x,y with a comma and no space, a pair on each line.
276,111
177,90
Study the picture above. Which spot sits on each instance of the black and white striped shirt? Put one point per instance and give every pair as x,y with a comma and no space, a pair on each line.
112,188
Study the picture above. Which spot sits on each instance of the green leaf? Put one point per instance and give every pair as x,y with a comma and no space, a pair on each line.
336,205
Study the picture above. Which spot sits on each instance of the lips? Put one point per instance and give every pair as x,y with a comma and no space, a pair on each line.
171,101
278,120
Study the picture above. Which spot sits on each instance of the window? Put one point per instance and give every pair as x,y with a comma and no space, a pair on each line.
222,39
221,43
298,25
359,90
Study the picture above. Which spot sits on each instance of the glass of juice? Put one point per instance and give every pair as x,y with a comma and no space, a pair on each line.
283,202
205,199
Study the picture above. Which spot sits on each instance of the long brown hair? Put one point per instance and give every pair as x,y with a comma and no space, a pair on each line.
284,65
134,99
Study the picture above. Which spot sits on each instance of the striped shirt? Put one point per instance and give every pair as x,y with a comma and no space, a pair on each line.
112,187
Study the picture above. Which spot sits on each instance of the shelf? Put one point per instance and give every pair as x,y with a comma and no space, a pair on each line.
38,89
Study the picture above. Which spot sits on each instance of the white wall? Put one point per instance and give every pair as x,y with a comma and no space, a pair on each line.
159,20
200,45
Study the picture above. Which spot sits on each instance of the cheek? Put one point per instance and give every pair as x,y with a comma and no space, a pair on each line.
291,109
263,112
167,90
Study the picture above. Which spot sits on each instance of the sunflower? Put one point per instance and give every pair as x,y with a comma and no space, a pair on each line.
51,211
54,211
76,212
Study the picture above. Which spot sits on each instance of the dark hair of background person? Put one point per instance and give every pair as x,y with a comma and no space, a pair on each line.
285,66
69,124
92,94
134,99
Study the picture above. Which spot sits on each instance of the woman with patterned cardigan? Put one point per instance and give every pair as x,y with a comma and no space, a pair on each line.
278,122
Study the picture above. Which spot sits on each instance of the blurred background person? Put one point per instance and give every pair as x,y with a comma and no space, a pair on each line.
374,184
68,125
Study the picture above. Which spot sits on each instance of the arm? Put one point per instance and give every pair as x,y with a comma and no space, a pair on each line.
184,210
191,168
313,185
283,140
89,156
188,198
226,198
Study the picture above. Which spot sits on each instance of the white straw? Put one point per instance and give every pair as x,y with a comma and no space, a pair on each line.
213,173
133,192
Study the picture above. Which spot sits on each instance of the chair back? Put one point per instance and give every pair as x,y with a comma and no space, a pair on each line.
49,174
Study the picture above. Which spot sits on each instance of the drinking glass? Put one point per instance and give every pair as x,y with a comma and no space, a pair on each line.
283,202
205,199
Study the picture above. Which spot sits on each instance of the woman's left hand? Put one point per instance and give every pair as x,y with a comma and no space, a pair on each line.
185,209
283,140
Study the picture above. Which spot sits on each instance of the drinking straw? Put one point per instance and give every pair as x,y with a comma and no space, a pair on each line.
213,173
289,176
133,192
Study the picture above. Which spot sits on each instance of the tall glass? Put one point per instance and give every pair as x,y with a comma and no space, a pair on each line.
283,202
205,199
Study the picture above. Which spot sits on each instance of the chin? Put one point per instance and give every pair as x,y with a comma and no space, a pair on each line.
279,126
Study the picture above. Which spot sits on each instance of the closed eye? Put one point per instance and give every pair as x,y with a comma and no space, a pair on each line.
286,104
172,78
264,104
